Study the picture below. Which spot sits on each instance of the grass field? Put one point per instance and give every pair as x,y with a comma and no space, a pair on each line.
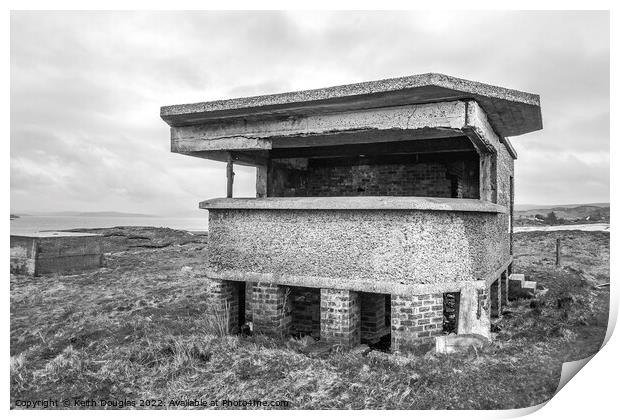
136,330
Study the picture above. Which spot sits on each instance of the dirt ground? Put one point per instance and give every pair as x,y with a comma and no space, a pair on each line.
135,333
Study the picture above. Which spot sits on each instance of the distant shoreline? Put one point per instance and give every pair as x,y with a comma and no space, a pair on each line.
34,223
585,227
83,214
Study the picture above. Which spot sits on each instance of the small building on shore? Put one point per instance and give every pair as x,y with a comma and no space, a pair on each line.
49,252
382,208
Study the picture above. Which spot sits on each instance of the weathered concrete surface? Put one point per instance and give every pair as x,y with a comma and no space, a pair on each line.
447,115
505,188
510,112
479,129
394,286
353,203
407,246
23,251
474,312
55,252
410,122
230,143
447,344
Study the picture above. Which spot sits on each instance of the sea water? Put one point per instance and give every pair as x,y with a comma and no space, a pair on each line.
26,224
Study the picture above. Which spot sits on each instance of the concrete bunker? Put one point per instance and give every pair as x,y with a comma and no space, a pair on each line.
381,208
40,253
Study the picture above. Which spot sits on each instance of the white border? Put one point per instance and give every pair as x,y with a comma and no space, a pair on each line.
592,394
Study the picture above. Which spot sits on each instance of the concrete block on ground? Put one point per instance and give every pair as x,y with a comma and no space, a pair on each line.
474,312
55,252
519,288
447,344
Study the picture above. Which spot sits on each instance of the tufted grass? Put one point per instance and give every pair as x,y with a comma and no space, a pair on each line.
138,329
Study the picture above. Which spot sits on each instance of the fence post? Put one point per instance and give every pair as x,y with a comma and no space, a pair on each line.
558,256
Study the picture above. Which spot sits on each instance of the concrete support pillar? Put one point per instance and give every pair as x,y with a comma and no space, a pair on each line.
230,176
261,181
474,311
223,302
340,317
271,309
416,320
373,325
496,298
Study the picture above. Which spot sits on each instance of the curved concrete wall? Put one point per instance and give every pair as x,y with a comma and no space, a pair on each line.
405,246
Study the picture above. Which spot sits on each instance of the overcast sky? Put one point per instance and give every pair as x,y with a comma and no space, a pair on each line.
86,88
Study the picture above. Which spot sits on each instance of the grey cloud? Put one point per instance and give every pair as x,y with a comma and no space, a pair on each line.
86,89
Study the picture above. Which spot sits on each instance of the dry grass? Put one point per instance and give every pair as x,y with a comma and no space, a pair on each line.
140,329
217,321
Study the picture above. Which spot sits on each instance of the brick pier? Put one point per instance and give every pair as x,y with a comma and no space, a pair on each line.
348,318
340,317
415,319
271,309
223,299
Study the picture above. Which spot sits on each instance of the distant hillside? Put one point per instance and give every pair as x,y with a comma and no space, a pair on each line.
112,214
566,214
522,207
90,214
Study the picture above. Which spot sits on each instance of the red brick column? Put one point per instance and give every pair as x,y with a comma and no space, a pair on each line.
223,301
340,317
416,320
271,309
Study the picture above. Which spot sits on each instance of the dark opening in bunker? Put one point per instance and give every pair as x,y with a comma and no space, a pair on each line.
242,304
451,303
447,168
375,320
305,306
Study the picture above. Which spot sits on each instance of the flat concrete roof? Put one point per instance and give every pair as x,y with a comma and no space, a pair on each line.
510,112
353,203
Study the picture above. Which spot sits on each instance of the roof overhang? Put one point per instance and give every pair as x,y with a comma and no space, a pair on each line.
509,112
251,142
